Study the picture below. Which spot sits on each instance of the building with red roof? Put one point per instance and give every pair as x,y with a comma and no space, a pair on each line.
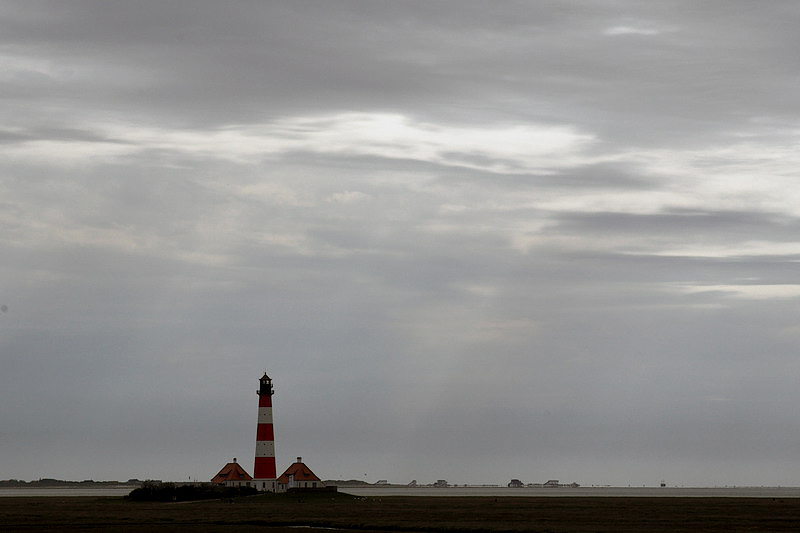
298,476
232,475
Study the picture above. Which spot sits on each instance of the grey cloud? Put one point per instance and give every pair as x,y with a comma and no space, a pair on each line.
421,319
54,134
684,224
278,59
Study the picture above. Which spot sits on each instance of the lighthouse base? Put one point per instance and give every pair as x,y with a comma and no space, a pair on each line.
264,485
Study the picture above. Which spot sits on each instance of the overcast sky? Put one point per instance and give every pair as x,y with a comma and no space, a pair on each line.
468,240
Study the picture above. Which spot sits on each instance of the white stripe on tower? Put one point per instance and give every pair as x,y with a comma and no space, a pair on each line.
264,469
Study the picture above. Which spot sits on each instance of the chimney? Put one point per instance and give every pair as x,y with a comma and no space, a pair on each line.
299,459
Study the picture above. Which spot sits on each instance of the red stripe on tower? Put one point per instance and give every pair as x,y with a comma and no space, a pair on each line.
264,473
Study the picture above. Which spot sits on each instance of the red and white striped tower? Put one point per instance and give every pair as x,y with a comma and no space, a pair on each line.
264,468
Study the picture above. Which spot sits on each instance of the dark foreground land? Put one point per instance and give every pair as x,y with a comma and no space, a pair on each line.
341,512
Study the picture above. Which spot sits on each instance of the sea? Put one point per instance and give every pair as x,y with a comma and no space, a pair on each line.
495,491
583,492
65,492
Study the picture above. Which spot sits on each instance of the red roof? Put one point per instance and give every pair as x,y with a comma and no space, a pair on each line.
300,472
231,472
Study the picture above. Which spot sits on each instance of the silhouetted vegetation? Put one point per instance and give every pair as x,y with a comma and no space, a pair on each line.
156,491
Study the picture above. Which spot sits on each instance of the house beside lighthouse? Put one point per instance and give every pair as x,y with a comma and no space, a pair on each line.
299,476
232,475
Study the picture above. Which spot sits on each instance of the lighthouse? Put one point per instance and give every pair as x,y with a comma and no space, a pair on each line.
264,468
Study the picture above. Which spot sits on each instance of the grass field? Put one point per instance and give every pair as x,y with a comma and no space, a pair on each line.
438,514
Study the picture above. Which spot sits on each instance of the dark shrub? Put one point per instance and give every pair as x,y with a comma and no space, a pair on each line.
154,491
